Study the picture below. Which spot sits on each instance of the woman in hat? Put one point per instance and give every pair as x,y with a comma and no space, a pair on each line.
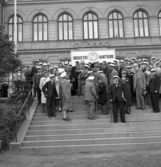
43,80
127,94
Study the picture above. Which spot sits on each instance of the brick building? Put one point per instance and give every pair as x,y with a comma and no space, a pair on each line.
1,12
50,29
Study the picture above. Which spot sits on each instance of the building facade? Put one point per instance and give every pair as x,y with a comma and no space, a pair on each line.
1,12
51,29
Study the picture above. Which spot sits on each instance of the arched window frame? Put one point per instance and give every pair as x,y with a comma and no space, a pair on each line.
65,22
36,26
159,22
93,20
138,21
117,21
19,28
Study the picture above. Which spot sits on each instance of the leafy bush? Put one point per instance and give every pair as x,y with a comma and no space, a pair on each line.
11,119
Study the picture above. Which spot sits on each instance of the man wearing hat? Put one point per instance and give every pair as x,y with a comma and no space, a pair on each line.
118,100
154,86
113,73
90,97
127,94
50,93
65,95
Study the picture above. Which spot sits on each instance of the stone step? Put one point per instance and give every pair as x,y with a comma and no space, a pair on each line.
92,136
90,148
117,129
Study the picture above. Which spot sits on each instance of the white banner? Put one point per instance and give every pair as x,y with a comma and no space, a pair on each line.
93,56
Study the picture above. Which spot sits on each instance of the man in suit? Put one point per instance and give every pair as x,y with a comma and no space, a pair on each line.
50,93
74,73
117,98
139,87
90,97
36,83
154,86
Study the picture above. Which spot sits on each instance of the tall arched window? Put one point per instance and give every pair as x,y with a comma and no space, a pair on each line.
19,28
115,25
141,24
90,26
40,28
65,27
159,19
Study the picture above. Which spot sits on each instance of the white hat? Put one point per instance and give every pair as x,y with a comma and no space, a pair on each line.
153,70
40,63
115,76
56,67
36,60
133,58
126,59
86,66
44,64
63,74
38,67
112,64
48,64
99,72
51,68
52,75
122,61
90,78
89,72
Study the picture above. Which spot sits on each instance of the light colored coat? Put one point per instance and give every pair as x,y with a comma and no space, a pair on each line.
90,92
139,79
43,80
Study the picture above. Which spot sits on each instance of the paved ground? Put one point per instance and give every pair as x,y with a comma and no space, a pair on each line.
126,159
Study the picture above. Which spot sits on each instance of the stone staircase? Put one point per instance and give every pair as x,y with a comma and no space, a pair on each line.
46,136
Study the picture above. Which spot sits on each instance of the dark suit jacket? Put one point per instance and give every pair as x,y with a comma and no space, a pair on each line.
36,80
49,89
154,84
33,71
117,92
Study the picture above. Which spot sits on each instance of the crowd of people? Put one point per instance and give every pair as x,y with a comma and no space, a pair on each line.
123,83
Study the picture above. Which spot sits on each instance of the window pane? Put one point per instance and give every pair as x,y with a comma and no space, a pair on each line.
121,28
110,29
35,32
10,31
40,32
60,31
90,30
114,15
116,28
95,29
10,20
141,28
61,18
19,32
136,28
136,15
64,17
94,17
146,29
85,17
35,19
119,16
40,18
69,18
65,31
45,31
85,30
160,14
110,16
89,16
44,19
145,15
140,14
70,30
160,25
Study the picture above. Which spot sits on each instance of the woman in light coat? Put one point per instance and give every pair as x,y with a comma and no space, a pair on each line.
43,80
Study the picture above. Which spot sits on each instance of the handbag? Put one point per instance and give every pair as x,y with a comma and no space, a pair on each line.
145,92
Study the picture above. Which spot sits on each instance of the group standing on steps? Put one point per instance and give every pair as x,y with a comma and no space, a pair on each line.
122,83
